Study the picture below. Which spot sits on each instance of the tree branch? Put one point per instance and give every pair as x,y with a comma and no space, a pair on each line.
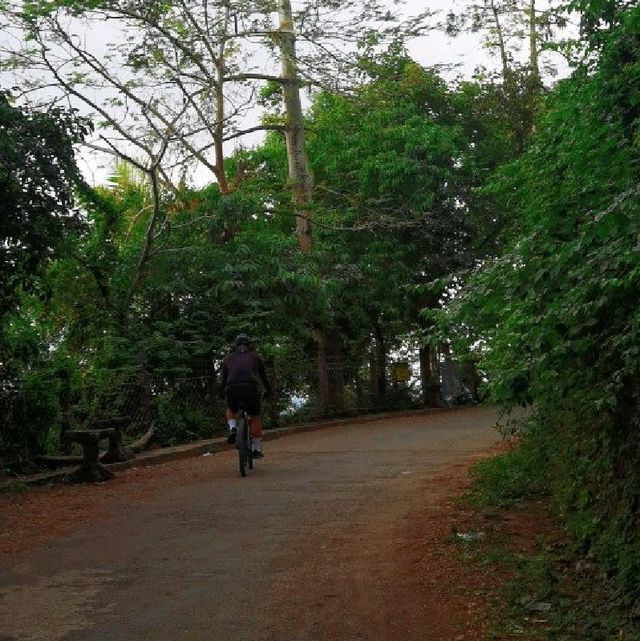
243,132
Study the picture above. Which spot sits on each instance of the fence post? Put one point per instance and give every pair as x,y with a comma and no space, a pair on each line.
330,380
146,398
272,403
65,409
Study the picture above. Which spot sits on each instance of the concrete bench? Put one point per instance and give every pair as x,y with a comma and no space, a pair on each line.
91,470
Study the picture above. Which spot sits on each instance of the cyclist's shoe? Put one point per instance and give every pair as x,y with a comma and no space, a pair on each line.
231,439
257,454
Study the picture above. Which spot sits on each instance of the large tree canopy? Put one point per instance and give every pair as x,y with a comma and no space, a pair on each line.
37,175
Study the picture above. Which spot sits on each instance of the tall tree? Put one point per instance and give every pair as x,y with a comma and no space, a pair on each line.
38,173
300,176
509,26
518,32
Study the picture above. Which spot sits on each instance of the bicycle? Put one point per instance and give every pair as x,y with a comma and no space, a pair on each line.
243,442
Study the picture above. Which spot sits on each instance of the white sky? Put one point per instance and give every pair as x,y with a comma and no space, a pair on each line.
436,48
465,52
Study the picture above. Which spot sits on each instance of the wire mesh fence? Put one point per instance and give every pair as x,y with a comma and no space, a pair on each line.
179,408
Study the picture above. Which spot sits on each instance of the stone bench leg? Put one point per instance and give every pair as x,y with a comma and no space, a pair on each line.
91,471
117,452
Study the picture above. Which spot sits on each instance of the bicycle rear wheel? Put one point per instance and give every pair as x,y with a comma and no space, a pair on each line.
241,443
249,444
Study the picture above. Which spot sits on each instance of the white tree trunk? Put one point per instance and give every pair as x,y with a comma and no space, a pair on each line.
220,125
533,41
501,43
300,176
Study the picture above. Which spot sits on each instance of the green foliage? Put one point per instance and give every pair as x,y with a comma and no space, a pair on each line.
598,16
37,176
38,224
555,315
590,601
396,162
558,305
390,154
31,418
521,207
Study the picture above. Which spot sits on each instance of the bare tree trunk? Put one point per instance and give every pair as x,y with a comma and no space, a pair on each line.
145,397
273,402
300,176
379,371
65,410
533,42
139,445
220,124
357,383
147,247
330,392
429,377
501,43
451,384
471,379
425,373
374,374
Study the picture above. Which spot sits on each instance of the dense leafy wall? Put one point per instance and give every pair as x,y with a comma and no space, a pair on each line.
557,313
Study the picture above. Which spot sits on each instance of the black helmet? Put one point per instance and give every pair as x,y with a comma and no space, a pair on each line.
242,339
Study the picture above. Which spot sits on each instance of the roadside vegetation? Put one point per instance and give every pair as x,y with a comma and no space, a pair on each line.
551,585
556,311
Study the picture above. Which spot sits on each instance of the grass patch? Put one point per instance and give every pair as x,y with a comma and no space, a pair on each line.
502,480
554,595
552,591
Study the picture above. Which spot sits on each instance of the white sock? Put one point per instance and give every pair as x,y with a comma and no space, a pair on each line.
233,423
255,444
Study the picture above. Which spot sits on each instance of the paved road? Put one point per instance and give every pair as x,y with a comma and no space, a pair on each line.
303,550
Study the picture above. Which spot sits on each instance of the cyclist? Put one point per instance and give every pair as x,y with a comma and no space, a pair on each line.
242,370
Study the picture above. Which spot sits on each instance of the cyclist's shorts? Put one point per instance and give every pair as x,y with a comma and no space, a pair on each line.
244,396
